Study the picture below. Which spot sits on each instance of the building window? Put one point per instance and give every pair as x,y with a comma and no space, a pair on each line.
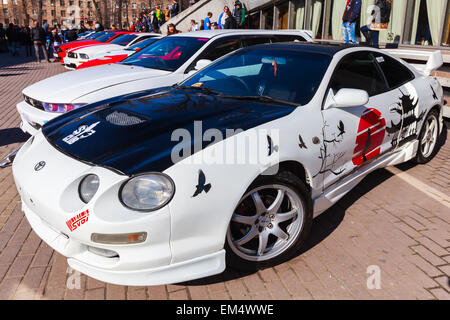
80,4
44,13
5,11
63,13
15,2
53,13
61,3
297,14
424,20
34,12
89,4
143,5
446,30
267,19
282,11
5,1
134,5
52,2
71,3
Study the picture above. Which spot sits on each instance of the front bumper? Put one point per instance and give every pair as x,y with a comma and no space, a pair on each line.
33,118
50,199
72,63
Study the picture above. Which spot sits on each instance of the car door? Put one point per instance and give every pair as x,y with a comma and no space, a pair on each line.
355,136
408,111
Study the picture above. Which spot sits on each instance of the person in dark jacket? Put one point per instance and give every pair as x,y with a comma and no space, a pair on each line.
239,14
38,38
12,34
3,46
174,9
380,21
27,42
230,22
350,17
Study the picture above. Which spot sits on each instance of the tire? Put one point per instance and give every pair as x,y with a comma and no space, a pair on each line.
428,139
253,225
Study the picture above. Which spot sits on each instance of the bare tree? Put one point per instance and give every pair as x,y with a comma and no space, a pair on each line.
98,12
24,12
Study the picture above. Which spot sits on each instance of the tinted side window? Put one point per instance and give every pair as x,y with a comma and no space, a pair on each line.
358,71
287,38
254,40
396,73
221,47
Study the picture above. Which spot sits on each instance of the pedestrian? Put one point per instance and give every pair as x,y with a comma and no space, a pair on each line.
13,38
174,8
154,22
349,18
171,29
207,22
380,21
3,46
82,28
194,26
38,37
98,27
222,17
230,22
27,42
239,14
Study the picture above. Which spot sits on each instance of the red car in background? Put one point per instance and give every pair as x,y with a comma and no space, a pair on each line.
106,37
114,56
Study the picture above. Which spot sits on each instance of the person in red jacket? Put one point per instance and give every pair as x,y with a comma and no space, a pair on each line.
349,19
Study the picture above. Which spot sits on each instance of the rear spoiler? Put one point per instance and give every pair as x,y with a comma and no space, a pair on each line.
434,59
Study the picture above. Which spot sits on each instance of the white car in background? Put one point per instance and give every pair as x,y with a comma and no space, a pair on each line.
79,55
164,63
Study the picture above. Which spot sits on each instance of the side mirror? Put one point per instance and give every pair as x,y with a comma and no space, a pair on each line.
350,98
202,63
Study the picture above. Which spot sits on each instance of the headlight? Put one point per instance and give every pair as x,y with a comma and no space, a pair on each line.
84,56
61,107
147,192
88,187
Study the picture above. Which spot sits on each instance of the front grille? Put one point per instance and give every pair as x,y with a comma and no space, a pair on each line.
32,102
71,54
122,119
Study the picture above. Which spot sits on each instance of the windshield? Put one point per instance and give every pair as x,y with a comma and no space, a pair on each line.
168,53
95,35
105,37
142,44
124,39
279,74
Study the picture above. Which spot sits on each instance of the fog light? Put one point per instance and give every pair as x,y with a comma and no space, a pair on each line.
119,238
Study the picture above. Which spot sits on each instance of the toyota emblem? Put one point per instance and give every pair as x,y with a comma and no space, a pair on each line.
39,165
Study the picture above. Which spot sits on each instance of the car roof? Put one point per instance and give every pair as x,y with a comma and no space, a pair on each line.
218,32
324,48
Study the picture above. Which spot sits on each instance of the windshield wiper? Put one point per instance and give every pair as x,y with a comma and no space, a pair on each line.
264,99
206,89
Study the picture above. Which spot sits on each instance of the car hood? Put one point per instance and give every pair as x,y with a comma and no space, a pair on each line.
96,48
134,136
69,86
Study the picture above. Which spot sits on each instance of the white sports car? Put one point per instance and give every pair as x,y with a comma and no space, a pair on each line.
164,63
227,168
80,55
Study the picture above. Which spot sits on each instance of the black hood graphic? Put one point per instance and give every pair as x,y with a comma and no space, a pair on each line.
134,135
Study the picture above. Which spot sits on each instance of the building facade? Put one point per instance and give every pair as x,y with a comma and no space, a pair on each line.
73,12
413,22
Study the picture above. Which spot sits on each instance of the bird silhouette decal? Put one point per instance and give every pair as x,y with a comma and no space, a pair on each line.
341,128
435,97
271,146
301,144
367,145
201,186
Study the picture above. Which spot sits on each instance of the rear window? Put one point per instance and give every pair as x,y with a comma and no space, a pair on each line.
106,37
396,73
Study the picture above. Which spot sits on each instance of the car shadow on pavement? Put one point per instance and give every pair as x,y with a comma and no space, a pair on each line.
322,226
12,135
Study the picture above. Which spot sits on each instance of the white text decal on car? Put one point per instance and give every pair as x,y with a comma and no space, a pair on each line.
82,132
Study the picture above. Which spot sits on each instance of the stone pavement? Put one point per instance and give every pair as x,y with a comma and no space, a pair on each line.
397,219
